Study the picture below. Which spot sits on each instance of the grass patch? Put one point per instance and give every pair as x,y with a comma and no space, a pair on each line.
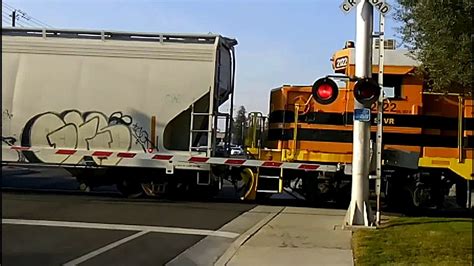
420,241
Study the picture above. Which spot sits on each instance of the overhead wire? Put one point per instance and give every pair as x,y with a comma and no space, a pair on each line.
34,20
23,17
6,19
28,24
7,5
6,13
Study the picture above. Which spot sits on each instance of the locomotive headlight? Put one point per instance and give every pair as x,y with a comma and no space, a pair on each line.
325,90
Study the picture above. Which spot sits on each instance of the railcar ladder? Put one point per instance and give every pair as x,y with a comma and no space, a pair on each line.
211,129
193,131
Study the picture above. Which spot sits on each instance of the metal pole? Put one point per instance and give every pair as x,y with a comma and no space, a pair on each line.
359,212
13,18
460,128
469,195
379,145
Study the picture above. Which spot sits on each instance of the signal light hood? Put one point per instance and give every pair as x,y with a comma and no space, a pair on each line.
325,90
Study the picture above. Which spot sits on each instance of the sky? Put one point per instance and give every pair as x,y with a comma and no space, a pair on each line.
280,41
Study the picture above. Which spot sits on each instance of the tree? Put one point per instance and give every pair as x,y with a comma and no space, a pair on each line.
439,34
238,126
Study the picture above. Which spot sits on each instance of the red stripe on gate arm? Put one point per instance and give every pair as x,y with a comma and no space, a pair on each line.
235,161
271,164
162,157
65,152
19,148
102,153
126,154
309,166
198,159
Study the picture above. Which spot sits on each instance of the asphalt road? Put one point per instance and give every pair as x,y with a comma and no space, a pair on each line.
46,221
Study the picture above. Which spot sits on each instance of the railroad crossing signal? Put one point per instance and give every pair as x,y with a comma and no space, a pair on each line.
380,5
366,91
325,90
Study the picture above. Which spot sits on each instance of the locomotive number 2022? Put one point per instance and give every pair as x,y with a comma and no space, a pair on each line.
387,107
341,62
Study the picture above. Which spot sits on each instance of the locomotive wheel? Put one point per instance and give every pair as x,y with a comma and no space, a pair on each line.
130,189
311,191
399,197
418,194
246,184
461,193
343,197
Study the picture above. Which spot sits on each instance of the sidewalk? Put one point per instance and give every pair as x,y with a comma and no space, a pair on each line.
296,236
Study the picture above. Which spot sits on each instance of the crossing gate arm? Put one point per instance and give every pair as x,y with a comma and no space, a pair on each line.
63,156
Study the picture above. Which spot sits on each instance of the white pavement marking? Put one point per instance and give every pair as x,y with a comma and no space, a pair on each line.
104,249
123,227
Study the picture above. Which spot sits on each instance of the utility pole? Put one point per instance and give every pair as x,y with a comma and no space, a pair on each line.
359,212
13,18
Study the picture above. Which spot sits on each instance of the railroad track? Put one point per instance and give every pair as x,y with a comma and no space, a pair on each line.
48,181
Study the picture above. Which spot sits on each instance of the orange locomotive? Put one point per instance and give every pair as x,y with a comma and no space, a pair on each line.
428,137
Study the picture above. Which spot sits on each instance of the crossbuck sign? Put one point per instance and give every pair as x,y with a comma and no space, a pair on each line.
347,5
380,5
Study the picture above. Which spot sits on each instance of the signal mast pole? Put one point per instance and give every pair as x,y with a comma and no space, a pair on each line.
359,212
379,144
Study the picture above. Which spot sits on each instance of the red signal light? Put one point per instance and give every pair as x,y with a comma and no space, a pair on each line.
325,91
366,91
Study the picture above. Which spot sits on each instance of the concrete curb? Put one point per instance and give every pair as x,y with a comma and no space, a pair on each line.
234,247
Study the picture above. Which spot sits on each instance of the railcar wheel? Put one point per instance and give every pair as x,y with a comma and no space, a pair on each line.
84,187
155,189
130,189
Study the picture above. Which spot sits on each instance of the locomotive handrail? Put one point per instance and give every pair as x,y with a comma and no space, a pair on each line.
460,128
447,93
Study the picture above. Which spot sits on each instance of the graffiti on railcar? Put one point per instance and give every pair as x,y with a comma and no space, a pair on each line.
11,141
77,130
6,114
141,137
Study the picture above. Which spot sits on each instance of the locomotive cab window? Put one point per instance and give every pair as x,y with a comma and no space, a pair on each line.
392,85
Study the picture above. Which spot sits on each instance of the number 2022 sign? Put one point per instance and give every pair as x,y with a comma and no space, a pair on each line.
341,62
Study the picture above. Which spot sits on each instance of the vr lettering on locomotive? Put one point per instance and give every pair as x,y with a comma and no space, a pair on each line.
389,121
